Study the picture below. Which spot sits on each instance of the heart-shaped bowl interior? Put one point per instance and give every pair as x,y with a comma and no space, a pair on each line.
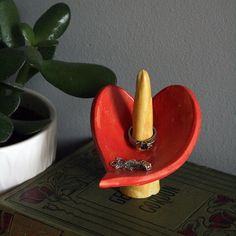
177,119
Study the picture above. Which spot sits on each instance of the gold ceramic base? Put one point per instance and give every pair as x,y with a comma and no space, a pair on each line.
141,191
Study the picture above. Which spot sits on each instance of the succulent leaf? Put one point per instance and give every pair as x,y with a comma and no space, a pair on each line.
33,56
9,103
10,60
77,79
53,23
47,52
29,127
9,24
27,33
47,43
6,128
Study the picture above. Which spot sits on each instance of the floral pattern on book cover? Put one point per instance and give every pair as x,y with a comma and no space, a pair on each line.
219,218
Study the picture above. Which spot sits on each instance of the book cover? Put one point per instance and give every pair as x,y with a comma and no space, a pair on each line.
65,200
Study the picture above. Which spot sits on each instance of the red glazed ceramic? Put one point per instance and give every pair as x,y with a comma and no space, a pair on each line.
177,118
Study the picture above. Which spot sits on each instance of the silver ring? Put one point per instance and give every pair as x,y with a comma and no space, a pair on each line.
142,145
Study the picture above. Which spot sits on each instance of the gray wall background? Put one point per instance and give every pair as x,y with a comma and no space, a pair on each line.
179,42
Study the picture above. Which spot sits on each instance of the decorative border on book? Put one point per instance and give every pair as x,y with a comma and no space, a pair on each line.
217,218
5,222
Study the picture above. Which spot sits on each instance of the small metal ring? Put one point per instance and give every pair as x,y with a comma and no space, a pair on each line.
142,145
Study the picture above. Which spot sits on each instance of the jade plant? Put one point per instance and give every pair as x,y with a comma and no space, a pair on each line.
25,51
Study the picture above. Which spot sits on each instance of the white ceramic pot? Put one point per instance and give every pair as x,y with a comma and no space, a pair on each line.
24,160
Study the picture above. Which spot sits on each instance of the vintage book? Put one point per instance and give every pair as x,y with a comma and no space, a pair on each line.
65,201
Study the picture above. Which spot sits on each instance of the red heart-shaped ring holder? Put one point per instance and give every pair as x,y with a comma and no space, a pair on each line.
176,117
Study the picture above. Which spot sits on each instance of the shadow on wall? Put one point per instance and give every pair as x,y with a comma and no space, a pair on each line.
66,148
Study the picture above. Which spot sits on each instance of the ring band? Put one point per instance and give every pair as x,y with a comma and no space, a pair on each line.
142,145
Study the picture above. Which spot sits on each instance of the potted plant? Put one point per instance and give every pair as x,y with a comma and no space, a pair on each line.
27,119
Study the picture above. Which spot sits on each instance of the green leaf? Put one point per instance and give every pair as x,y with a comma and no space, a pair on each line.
77,79
29,127
33,56
53,23
13,88
9,20
47,52
22,76
25,73
2,91
9,104
47,43
6,128
1,45
10,60
32,71
47,48
27,33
